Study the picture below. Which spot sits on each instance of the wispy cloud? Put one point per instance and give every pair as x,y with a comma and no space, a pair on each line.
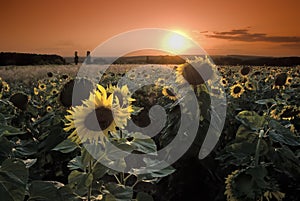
245,36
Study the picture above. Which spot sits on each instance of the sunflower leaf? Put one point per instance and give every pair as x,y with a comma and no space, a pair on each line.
13,179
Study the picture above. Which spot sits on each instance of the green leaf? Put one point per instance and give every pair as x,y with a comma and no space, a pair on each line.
143,144
66,146
9,130
282,135
265,101
141,196
5,148
154,173
80,181
76,163
99,171
120,192
49,191
251,120
13,180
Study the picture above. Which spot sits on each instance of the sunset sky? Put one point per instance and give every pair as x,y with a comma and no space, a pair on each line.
250,27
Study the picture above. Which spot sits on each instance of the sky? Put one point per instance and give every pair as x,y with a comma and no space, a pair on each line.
249,27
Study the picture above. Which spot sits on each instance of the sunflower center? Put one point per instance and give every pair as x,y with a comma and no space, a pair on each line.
237,90
245,70
104,118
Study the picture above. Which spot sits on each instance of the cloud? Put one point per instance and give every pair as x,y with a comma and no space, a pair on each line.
245,36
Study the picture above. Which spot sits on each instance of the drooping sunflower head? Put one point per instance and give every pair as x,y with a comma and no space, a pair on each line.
250,85
97,117
196,73
229,191
280,80
83,89
245,71
236,90
19,100
166,91
50,74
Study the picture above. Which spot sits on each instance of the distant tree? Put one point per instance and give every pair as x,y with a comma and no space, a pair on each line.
88,57
76,58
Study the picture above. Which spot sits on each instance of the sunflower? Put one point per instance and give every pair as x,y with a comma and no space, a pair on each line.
289,81
35,91
289,112
228,188
236,90
250,85
224,82
245,71
42,86
97,117
121,96
280,80
166,91
49,108
19,100
274,194
5,86
84,87
50,74
54,91
195,74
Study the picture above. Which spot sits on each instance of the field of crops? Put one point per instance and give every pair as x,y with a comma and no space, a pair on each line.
43,157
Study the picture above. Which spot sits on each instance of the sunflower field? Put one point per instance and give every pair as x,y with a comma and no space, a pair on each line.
44,157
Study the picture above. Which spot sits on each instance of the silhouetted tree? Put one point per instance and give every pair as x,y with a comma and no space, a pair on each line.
76,58
88,57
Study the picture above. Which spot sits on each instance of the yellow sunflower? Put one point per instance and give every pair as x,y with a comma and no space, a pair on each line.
97,117
35,91
49,108
54,91
166,91
42,86
5,86
224,82
273,194
236,90
228,188
250,85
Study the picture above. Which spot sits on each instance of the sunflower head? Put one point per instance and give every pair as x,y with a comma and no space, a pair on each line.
236,90
97,117
224,82
42,87
245,71
50,74
49,108
83,88
19,100
250,85
166,91
280,80
195,74
5,86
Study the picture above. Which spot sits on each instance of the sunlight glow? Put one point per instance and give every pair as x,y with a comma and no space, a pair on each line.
176,42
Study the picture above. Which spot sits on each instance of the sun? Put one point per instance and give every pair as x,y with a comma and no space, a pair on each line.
176,42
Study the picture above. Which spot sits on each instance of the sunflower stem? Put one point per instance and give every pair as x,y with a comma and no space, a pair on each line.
261,134
90,186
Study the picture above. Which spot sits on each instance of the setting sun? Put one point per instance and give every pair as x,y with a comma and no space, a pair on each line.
176,42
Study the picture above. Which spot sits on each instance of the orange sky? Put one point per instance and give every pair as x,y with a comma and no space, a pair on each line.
255,27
